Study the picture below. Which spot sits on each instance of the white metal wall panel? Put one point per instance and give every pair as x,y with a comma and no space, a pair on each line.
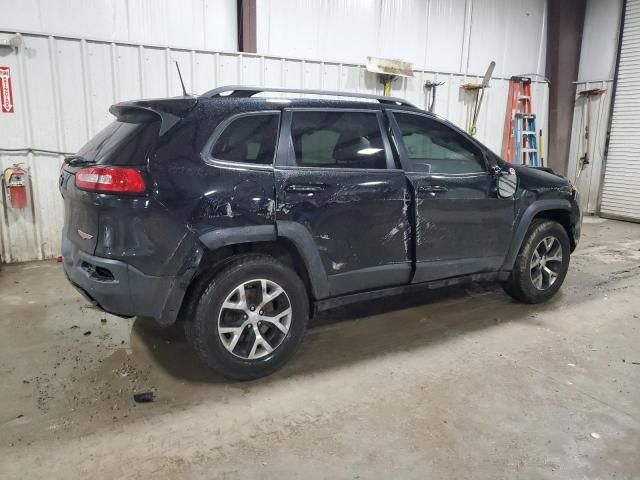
437,35
159,22
620,192
512,33
599,40
63,88
588,180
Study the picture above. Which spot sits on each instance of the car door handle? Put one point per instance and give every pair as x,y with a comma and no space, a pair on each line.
306,187
433,189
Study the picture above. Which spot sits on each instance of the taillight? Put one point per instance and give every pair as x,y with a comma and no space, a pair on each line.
111,180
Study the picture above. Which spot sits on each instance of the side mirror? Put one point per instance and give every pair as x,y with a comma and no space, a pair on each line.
507,181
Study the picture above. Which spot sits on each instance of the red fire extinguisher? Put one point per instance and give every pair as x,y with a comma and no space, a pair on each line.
15,181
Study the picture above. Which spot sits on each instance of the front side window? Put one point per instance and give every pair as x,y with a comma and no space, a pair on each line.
337,140
248,139
434,147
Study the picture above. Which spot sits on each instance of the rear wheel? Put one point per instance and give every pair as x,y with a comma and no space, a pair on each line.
541,264
250,318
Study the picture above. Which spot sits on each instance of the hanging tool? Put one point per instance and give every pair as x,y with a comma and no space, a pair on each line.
520,133
388,70
586,158
431,91
479,89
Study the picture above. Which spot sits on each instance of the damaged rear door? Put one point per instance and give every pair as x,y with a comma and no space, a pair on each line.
337,179
461,225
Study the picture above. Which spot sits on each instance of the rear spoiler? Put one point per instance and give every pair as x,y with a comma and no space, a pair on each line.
169,110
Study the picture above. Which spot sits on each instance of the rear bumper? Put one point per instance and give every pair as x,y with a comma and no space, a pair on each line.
118,288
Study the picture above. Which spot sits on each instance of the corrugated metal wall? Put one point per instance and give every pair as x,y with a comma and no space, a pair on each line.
64,86
437,35
588,180
210,24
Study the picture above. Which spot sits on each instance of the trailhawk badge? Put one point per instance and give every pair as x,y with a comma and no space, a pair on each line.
84,235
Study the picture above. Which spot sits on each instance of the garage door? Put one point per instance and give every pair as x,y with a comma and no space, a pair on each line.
621,189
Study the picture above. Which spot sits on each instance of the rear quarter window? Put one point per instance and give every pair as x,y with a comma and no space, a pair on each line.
122,143
248,138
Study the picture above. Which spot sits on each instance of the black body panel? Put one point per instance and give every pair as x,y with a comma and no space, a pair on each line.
354,230
358,220
461,225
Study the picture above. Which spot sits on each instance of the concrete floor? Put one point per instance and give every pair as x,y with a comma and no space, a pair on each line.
455,384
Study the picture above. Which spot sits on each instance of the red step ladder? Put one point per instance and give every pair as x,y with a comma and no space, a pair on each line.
520,134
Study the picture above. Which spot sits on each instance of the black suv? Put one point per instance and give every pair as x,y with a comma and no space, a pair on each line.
242,211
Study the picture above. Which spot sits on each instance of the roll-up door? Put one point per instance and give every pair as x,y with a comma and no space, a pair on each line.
621,188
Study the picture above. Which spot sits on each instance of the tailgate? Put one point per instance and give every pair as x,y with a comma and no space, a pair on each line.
129,141
123,143
80,213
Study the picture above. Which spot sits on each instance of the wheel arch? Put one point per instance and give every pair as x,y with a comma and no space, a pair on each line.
563,217
558,210
288,242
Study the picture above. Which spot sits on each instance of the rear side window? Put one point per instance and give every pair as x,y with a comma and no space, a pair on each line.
337,140
122,143
433,147
248,139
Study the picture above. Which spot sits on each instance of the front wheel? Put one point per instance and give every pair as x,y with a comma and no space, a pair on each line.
541,264
251,318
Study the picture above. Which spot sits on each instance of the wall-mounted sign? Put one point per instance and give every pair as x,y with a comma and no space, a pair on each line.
6,90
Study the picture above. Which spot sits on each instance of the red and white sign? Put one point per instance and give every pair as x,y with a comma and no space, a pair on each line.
6,91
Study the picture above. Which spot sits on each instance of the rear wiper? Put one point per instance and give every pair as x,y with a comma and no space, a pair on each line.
77,160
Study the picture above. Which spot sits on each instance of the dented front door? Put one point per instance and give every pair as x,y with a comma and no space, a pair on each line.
461,225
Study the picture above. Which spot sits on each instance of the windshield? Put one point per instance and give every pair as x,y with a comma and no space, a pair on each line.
121,143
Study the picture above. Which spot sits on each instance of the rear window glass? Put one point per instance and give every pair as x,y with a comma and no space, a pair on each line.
337,139
121,143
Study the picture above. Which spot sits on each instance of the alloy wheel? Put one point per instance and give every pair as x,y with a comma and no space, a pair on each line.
254,319
546,263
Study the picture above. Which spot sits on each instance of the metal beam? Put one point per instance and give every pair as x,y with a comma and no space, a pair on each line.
565,19
247,41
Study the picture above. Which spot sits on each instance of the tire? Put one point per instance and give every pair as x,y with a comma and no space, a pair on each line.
532,278
242,344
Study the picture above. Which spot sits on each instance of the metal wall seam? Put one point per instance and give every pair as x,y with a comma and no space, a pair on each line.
114,72
217,62
194,76
85,89
143,93
466,36
167,69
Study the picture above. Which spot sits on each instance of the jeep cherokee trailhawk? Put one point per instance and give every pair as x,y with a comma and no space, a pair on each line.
242,211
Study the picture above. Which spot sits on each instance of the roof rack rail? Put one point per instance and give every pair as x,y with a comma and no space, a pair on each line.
240,91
